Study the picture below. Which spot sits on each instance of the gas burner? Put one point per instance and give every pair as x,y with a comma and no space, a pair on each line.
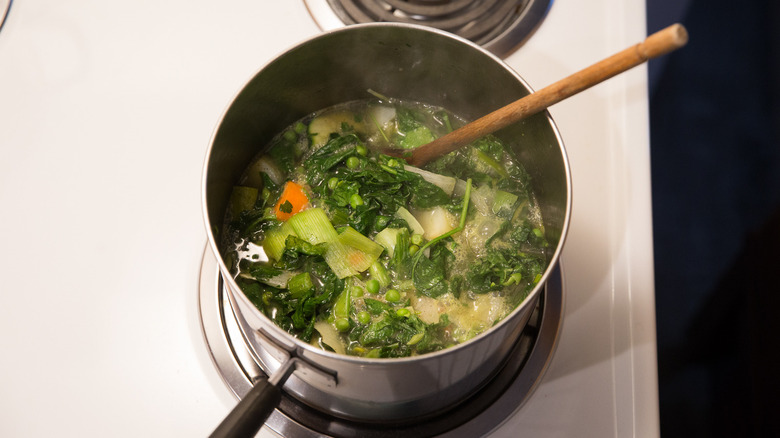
477,416
500,26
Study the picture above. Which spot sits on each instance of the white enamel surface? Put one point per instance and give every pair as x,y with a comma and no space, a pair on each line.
106,110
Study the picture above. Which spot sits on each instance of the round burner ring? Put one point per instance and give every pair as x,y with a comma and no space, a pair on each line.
500,26
481,414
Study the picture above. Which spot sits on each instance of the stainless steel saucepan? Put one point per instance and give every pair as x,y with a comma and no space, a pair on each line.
406,62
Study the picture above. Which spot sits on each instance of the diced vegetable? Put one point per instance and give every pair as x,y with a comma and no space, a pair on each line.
362,243
330,336
378,274
404,214
387,239
482,198
338,257
265,165
416,138
321,127
275,240
299,285
293,200
343,304
436,221
362,251
381,116
446,183
341,309
242,198
503,203
313,226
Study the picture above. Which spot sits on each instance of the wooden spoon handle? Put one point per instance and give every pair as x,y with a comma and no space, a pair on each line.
657,44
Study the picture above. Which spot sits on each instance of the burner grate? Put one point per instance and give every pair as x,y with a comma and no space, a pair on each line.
500,26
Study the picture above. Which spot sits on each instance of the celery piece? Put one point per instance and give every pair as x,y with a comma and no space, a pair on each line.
387,239
503,203
313,226
242,198
412,221
300,285
275,240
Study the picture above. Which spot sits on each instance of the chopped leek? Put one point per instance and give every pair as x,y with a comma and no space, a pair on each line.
387,239
242,198
275,240
446,183
337,256
349,236
329,336
265,165
404,214
347,260
503,203
313,226
436,221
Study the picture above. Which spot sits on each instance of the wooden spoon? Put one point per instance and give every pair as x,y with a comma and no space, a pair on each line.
657,44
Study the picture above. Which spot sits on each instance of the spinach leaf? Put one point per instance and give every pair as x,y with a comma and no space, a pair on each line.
500,268
430,273
397,336
336,150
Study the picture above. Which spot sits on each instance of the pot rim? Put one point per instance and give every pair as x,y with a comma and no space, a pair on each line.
277,331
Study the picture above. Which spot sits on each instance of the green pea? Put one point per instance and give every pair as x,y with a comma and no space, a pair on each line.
413,249
361,150
372,286
353,162
392,296
403,312
355,200
381,222
333,182
342,324
364,317
357,291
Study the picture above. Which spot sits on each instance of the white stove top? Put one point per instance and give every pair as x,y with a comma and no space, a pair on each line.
106,110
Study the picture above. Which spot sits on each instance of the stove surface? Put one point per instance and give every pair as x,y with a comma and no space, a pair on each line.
105,116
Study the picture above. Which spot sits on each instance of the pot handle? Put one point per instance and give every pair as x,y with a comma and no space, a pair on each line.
251,412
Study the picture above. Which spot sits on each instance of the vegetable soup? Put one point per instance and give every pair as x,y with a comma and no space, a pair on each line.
347,247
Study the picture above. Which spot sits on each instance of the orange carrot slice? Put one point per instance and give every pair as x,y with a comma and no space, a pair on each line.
293,200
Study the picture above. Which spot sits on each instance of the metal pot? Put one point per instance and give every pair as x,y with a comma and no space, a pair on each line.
407,62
